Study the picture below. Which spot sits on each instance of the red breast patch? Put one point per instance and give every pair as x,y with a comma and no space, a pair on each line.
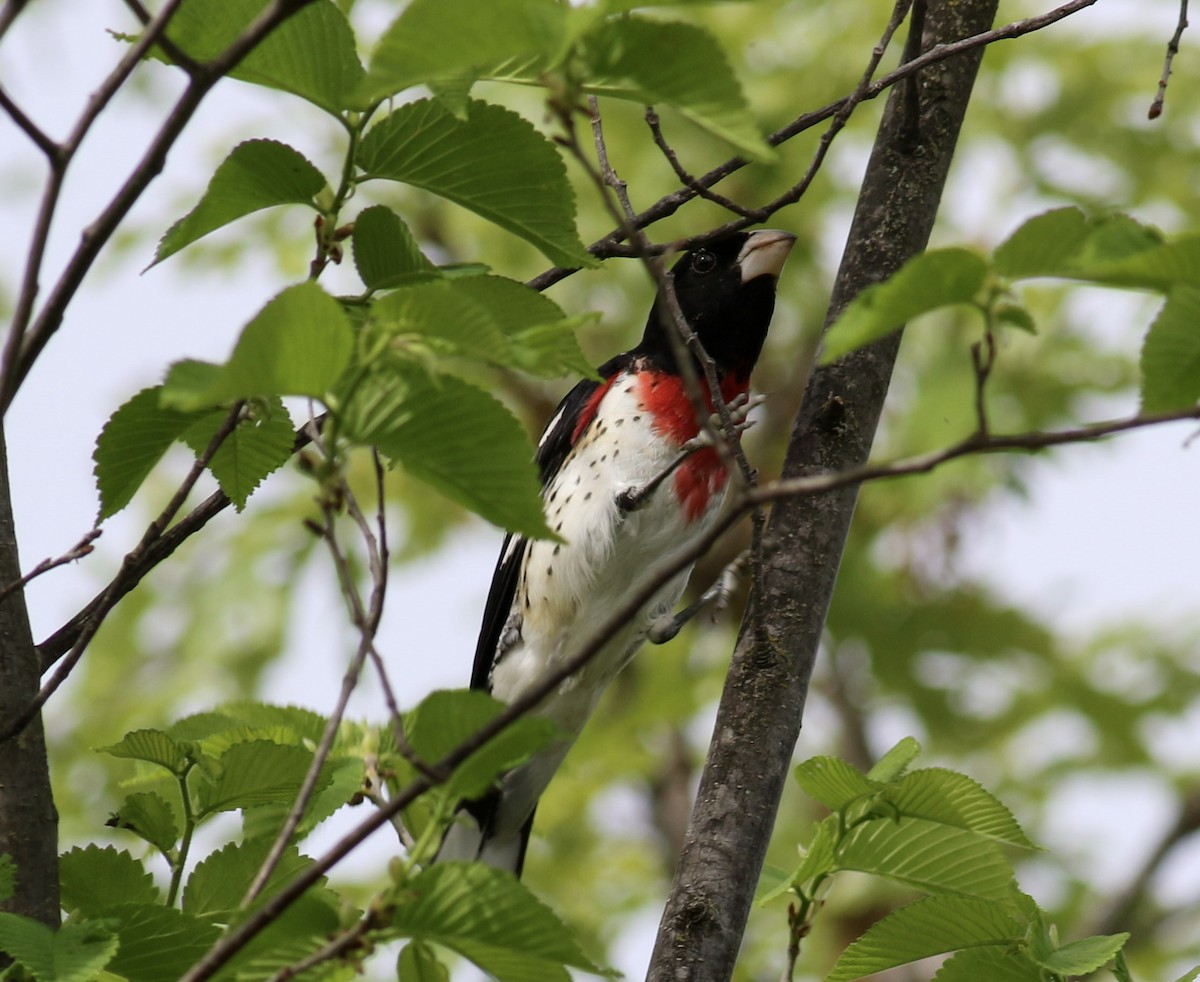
702,475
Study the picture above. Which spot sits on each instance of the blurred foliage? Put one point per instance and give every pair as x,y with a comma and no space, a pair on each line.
913,643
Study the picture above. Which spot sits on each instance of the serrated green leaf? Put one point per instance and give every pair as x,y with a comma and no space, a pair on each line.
995,964
833,782
74,953
419,963
450,43
312,54
446,718
93,879
131,443
932,926
220,881
158,943
304,723
346,776
1170,359
494,163
385,253
255,773
1084,956
677,65
1042,246
258,446
491,918
938,278
257,174
457,438
934,858
895,762
149,816
152,746
949,798
298,344
8,877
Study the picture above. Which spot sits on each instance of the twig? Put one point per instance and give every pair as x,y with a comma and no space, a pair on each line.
366,619
8,13
611,244
28,337
91,624
620,188
983,359
686,178
172,50
342,942
51,149
81,548
1156,107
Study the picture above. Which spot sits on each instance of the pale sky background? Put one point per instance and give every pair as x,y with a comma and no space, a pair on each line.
1108,533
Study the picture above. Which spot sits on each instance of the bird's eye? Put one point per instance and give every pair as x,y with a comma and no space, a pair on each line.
703,261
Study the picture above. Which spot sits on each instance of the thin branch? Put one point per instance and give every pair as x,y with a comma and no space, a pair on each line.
81,548
611,244
89,626
366,619
48,147
8,14
687,179
620,188
170,48
1156,107
343,941
27,339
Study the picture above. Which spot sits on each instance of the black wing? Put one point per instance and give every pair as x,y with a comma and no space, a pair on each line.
553,447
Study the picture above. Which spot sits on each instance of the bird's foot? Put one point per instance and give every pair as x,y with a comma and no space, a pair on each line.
664,628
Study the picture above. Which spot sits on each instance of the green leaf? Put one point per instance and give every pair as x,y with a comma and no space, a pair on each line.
220,881
152,746
1043,246
457,41
1013,315
158,943
74,953
489,318
493,163
298,344
257,772
995,964
628,57
833,782
949,798
385,252
1189,976
457,438
8,877
444,719
773,881
895,762
419,963
1170,360
934,858
93,879
491,918
1084,956
131,443
928,927
345,775
258,446
312,54
149,816
257,174
938,278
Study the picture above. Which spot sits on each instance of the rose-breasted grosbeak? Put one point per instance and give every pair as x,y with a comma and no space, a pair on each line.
607,443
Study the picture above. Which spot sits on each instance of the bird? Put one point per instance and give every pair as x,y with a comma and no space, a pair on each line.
627,484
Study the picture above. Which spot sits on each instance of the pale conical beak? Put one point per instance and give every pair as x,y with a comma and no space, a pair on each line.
764,253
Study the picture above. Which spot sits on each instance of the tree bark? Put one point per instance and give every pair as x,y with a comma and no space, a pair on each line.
759,718
28,820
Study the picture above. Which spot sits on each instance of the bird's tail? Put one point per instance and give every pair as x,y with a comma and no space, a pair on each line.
479,833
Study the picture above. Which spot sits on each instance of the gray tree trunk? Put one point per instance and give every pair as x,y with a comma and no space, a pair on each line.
759,717
28,820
